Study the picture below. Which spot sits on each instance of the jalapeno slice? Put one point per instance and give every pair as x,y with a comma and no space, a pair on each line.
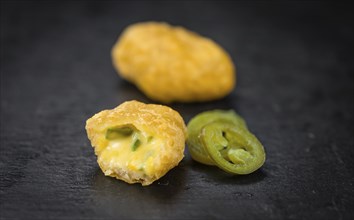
222,138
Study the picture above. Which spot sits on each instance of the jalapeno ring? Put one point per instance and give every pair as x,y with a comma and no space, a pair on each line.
222,138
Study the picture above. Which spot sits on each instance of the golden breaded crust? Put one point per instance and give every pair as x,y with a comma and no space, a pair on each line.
166,150
172,63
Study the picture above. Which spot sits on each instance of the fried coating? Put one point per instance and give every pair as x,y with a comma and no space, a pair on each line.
137,142
170,63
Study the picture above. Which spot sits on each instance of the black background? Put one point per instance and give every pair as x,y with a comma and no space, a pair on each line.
295,89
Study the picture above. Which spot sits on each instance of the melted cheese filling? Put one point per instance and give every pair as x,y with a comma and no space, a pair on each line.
120,153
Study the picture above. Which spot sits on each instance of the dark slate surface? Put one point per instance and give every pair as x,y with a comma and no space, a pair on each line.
295,89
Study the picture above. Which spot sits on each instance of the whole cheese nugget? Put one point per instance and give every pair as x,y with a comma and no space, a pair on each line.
137,142
172,63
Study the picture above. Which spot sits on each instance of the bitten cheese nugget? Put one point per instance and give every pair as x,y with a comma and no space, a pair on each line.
170,63
137,142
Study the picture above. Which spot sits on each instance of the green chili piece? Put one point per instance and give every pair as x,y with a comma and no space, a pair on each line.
136,144
120,131
222,138
136,141
125,131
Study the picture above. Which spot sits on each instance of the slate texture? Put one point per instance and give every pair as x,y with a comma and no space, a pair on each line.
295,89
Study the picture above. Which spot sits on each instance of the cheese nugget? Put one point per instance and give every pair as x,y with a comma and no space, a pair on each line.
170,63
137,142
